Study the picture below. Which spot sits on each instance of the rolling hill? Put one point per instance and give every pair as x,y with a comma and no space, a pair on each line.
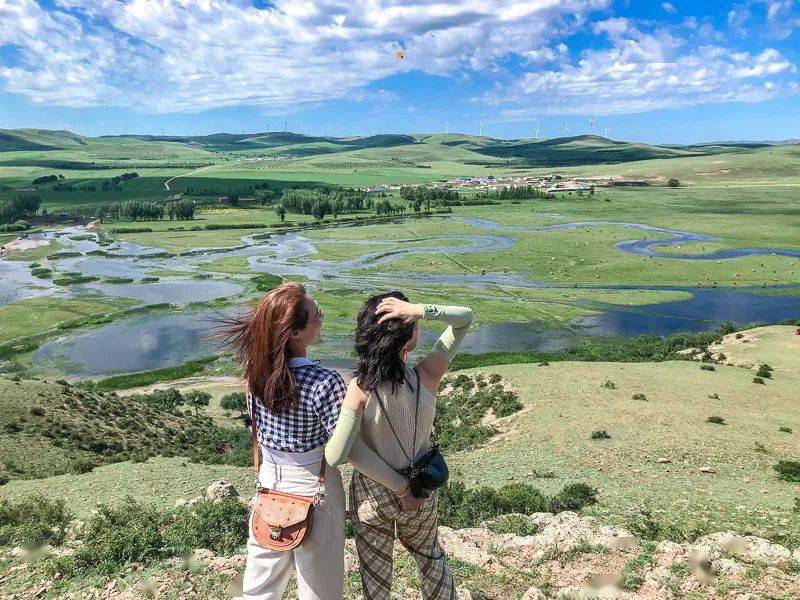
38,139
581,150
556,152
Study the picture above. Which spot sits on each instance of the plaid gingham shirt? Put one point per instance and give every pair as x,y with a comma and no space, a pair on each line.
312,422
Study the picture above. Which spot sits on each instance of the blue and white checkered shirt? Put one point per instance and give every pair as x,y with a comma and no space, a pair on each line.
312,421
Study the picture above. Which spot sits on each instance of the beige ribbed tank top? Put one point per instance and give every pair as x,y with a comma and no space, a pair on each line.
399,405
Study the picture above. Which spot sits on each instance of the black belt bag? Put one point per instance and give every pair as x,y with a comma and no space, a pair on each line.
430,472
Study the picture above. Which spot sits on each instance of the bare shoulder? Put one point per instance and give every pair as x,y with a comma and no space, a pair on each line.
429,380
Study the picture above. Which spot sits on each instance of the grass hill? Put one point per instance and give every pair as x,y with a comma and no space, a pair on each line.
661,463
290,143
38,139
582,149
48,429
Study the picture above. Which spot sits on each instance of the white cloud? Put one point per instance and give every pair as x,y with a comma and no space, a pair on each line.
192,55
646,71
669,7
780,19
189,55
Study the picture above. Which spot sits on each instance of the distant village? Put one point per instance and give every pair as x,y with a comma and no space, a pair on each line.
552,183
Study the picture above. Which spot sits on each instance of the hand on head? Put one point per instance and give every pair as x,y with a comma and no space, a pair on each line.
394,308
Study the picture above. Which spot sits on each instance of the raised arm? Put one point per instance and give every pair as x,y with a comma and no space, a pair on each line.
458,318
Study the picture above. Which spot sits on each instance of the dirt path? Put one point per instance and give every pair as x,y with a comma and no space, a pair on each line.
167,182
187,383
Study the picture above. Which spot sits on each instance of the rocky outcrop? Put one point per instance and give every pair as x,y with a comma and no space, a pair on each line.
568,555
219,490
586,559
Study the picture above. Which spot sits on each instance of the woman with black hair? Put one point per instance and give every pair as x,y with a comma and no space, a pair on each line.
388,411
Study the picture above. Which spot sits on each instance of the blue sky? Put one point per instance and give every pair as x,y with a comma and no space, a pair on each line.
654,71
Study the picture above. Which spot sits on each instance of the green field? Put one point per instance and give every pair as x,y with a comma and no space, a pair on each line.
238,161
548,443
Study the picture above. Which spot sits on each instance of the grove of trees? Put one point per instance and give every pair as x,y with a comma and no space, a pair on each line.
138,210
14,208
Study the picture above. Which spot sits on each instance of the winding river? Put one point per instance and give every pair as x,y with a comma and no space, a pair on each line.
161,339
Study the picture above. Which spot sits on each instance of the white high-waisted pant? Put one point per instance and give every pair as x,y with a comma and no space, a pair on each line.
319,560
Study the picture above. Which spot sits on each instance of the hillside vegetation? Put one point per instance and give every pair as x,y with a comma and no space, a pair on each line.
49,429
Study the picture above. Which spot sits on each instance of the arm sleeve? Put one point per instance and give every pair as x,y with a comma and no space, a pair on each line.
347,428
366,461
328,400
459,318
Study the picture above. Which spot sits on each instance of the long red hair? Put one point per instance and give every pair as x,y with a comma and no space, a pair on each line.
261,341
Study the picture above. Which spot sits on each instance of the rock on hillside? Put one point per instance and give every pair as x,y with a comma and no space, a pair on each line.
568,555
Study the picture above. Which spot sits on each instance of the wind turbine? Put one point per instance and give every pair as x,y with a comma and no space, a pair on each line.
447,126
606,131
480,128
536,130
566,129
591,124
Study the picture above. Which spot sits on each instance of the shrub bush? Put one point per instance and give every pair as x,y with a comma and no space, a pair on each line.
784,429
716,420
460,412
573,497
114,537
758,380
601,434
197,398
462,507
708,367
81,465
788,470
639,396
221,527
764,371
234,401
609,385
33,521
516,524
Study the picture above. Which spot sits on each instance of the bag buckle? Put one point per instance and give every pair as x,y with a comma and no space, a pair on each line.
275,532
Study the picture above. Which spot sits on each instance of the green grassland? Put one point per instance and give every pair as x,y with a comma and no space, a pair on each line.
566,402
237,161
36,315
587,256
548,443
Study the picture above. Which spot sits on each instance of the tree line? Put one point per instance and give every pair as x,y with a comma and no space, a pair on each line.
319,202
523,192
139,210
15,208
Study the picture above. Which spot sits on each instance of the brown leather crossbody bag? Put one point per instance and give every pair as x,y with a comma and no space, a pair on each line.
281,521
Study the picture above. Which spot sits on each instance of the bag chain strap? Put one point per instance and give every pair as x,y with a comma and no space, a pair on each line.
391,427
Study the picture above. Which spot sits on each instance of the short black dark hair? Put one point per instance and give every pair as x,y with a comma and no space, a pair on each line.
379,345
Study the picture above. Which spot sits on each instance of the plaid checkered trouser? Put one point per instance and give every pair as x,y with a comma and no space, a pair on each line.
376,514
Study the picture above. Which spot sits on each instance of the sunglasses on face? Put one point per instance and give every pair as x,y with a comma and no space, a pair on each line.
320,315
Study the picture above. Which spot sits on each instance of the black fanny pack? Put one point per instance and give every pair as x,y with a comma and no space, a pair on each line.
428,473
